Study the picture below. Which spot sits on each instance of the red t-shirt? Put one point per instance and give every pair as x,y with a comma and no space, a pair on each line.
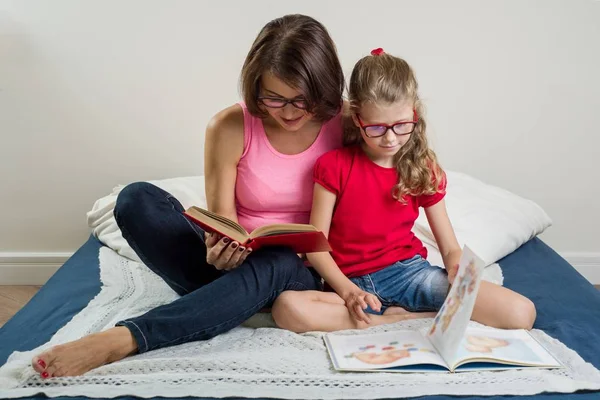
370,230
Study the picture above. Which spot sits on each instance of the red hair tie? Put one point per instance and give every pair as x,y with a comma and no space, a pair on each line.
377,52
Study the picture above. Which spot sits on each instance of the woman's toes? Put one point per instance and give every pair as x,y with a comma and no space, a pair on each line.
38,364
49,372
44,364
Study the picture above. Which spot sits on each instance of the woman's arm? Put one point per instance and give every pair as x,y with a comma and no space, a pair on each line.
445,237
223,148
356,300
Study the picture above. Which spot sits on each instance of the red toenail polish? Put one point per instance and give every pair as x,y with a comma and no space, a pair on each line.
44,375
41,363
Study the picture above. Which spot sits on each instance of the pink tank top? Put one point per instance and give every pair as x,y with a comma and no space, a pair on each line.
272,187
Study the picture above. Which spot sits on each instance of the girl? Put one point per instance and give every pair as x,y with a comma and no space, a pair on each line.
259,155
367,197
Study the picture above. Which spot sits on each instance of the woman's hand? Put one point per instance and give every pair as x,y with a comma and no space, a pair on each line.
223,253
357,301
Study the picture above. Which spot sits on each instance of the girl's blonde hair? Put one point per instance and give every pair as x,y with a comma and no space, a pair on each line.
387,79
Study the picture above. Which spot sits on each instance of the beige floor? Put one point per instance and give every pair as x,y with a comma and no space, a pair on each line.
12,298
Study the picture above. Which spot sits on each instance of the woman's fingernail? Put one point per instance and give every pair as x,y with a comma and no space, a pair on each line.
241,248
233,245
41,363
226,240
44,374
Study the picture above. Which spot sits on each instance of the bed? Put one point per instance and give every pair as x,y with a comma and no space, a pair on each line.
568,305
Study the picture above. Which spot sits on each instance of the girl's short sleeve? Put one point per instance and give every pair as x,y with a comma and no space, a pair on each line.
327,171
429,200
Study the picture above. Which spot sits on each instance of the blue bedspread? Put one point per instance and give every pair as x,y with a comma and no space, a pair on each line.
568,305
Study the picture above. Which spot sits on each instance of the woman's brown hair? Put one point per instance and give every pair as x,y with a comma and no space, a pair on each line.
386,79
298,50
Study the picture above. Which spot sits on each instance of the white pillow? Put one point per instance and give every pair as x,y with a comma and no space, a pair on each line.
188,190
492,221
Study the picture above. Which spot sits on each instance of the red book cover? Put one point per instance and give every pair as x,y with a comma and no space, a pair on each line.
300,242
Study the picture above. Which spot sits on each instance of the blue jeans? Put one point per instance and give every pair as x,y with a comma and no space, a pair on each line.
413,284
212,301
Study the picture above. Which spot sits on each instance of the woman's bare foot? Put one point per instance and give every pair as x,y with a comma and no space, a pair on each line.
80,356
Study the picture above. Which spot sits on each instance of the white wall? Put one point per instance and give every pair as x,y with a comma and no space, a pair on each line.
97,93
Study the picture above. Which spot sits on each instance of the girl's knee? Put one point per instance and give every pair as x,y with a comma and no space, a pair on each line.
524,314
288,313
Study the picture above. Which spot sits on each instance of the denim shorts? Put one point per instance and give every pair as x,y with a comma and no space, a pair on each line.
412,284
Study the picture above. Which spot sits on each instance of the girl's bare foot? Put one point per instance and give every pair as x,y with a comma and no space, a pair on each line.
396,314
395,311
80,356
407,314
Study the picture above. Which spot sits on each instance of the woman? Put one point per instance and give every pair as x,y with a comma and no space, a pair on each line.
259,156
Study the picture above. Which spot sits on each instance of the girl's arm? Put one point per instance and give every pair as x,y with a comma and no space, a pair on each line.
320,217
444,236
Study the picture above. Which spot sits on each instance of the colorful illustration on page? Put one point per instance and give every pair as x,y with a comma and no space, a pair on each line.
483,344
466,285
387,354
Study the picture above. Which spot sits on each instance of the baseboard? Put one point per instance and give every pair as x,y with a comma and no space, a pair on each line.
588,265
29,268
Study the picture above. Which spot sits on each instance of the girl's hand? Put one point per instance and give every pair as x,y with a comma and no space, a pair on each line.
357,301
452,271
224,254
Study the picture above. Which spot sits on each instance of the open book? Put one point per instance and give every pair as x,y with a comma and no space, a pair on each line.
448,345
302,238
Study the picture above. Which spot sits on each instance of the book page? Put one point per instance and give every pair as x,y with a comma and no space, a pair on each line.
278,229
450,323
222,225
514,346
381,351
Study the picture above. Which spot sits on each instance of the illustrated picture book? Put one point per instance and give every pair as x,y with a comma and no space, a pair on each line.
302,238
448,344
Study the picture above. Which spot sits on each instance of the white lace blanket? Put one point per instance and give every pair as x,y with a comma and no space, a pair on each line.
249,362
